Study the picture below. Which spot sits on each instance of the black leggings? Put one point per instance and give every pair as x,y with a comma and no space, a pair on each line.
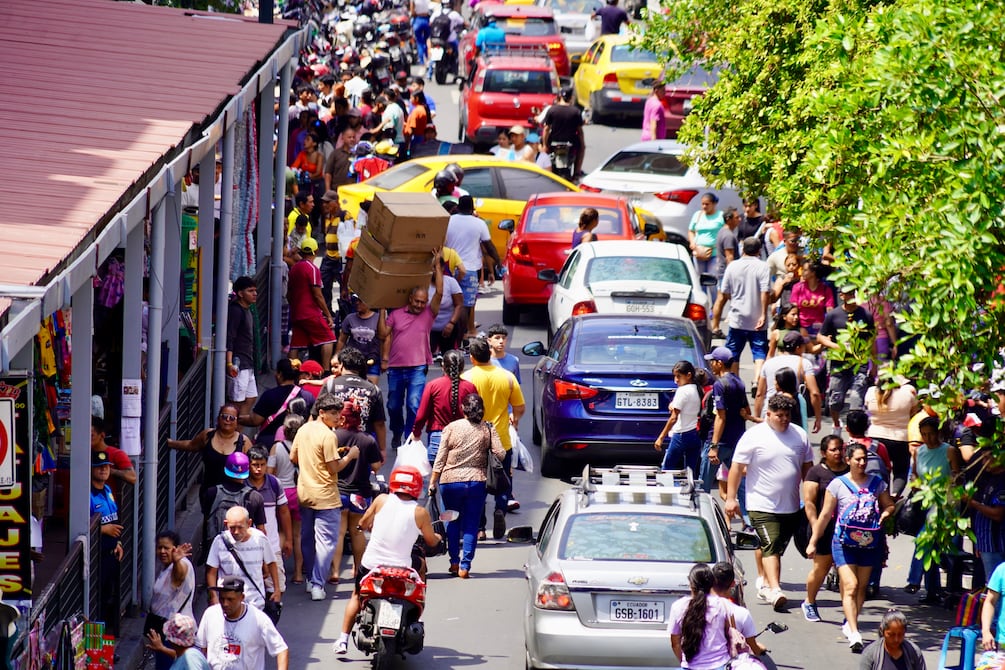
900,455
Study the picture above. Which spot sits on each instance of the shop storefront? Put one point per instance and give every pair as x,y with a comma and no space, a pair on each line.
113,295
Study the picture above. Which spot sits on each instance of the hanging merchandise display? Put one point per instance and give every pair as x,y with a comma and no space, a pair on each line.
247,196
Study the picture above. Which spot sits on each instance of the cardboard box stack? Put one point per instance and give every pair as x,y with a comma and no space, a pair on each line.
395,251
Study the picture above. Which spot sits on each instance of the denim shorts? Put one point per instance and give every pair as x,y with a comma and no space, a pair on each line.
355,503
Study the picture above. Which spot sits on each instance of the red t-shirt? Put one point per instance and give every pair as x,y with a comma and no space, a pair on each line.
434,410
303,276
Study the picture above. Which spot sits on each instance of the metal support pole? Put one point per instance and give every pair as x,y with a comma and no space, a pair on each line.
223,273
207,273
266,164
151,413
172,322
132,344
278,220
81,341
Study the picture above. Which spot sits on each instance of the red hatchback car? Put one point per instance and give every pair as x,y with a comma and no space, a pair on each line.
542,239
524,25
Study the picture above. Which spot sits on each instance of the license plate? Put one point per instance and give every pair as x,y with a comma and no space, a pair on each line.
436,53
389,616
640,307
636,401
639,611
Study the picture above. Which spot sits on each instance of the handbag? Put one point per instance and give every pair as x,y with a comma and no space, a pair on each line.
272,609
497,481
910,516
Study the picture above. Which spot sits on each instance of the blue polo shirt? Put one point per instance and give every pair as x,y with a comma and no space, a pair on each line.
103,503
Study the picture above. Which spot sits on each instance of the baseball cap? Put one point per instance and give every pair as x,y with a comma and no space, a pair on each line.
99,458
330,195
180,629
517,130
311,367
721,354
793,340
238,466
533,137
229,584
309,244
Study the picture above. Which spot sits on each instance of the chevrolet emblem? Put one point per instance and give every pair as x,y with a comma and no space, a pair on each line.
638,581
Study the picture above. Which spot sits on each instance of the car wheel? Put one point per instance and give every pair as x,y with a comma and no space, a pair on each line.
510,313
535,431
461,130
550,467
596,116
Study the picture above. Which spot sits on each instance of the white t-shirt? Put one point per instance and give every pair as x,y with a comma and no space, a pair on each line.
450,289
240,644
465,234
688,402
256,552
774,463
771,368
285,470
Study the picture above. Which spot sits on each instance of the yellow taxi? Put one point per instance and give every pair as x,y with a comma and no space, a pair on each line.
615,78
500,188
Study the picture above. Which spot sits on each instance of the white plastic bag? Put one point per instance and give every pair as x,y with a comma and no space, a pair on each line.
413,453
521,454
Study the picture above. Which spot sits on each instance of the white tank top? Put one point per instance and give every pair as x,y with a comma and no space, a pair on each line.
394,532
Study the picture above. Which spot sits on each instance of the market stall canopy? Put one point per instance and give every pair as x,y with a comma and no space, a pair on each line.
97,97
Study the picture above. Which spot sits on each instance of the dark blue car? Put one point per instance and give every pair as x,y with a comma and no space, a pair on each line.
601,390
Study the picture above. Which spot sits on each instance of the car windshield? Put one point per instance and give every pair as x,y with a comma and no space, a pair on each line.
646,162
397,176
527,27
564,219
630,536
619,268
648,346
517,81
625,53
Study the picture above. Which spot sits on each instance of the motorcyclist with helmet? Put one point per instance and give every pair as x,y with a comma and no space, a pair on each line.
444,184
563,122
394,520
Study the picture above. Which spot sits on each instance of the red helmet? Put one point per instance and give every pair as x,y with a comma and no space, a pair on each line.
406,479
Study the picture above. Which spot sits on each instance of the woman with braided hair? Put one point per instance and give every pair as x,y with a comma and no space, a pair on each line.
699,624
441,401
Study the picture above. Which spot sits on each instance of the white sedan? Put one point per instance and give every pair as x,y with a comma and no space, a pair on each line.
629,277
655,177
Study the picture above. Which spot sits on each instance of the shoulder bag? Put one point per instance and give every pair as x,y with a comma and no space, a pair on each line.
497,481
272,609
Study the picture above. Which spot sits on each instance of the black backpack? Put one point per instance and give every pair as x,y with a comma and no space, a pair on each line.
224,500
439,28
706,419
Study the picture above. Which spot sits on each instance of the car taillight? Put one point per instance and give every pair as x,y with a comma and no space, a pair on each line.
521,254
611,80
584,307
555,46
683,196
571,391
589,189
553,594
695,312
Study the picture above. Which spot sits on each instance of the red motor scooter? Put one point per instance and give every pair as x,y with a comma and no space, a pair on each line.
391,602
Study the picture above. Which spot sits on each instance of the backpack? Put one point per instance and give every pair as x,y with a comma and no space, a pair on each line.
439,27
874,464
706,419
224,500
858,526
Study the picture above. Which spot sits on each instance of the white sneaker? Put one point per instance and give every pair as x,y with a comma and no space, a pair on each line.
778,600
340,647
308,586
317,593
846,629
763,592
855,643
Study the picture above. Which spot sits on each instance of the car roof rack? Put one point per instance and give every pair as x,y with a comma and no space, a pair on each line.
496,49
638,484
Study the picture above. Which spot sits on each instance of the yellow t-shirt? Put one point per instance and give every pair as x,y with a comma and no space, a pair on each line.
499,389
453,260
315,445
291,222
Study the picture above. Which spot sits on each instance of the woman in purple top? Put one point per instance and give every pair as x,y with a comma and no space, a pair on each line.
654,116
698,624
588,221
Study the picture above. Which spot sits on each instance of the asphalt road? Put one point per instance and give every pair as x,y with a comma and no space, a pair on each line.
479,622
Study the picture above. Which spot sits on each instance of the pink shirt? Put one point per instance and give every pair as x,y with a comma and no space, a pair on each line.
654,110
409,338
812,304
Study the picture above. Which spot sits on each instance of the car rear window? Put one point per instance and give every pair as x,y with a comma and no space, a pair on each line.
527,27
574,6
517,81
625,53
617,268
562,219
623,536
396,176
648,162
646,346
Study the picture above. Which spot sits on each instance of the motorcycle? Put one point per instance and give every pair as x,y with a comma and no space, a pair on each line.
444,57
563,159
396,55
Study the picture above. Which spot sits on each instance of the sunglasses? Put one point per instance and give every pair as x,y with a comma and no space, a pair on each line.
228,417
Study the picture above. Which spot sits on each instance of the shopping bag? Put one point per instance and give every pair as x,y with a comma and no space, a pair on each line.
521,454
413,453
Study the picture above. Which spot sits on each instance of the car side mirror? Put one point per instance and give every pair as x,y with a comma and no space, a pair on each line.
533,349
650,229
548,276
507,224
520,535
742,540
707,279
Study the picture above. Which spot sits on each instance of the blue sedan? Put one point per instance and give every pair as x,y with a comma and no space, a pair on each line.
602,389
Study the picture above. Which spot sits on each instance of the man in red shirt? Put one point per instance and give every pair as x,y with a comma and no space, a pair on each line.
122,466
310,317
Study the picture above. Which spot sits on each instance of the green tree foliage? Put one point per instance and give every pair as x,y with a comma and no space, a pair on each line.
878,126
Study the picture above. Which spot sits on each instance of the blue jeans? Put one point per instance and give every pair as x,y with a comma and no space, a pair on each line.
468,498
991,560
709,472
404,390
433,445
420,26
933,579
684,452
319,531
